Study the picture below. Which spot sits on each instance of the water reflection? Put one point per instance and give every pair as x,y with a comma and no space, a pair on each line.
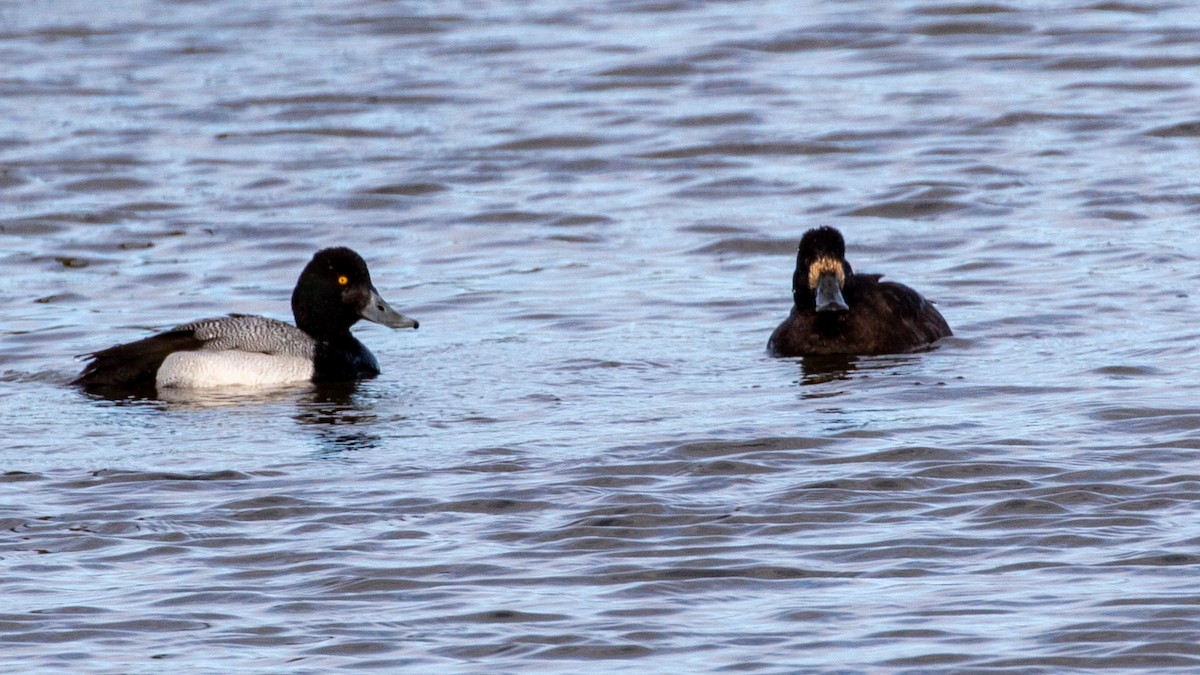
339,416
816,370
223,397
337,412
827,368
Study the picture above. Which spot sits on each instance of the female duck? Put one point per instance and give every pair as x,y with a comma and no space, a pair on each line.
839,312
334,291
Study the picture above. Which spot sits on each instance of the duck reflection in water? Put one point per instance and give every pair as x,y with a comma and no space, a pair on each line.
838,312
827,368
340,417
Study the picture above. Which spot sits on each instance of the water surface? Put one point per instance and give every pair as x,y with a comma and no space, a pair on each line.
584,458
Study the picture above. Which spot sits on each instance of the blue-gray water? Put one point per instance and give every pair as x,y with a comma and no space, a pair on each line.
584,460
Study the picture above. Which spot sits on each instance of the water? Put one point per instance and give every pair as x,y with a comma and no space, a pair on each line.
584,458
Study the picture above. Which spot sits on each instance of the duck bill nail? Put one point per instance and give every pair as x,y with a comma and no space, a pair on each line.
829,294
380,312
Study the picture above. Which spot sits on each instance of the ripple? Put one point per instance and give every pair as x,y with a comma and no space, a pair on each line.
563,142
737,149
908,208
1180,130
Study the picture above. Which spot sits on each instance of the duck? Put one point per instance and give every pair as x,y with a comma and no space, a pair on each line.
333,293
839,312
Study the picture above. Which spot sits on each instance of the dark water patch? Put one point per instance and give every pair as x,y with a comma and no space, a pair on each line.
1100,63
196,49
407,189
87,164
107,477
651,70
493,506
593,652
1128,86
577,238
1020,118
710,449
68,30
11,178
873,484
715,120
509,217
19,477
658,6
1149,420
931,660
620,481
724,467
897,455
243,598
824,37
66,261
848,136
298,114
1010,508
581,220
618,84
954,28
908,208
584,165
1160,602
1078,497
736,188
1128,7
265,183
497,467
1159,560
391,196
685,576
1122,372
711,228
31,226
640,521
1120,216
504,616
354,648
333,132
995,266
559,142
395,23
966,8
749,246
153,206
999,485
748,149
1126,198
576,365
336,99
1180,130
976,470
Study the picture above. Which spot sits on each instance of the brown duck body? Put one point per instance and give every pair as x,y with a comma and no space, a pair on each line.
836,311
884,318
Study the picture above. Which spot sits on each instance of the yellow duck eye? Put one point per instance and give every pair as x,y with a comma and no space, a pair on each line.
343,280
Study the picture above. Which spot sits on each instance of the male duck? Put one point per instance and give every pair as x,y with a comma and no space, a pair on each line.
839,312
334,291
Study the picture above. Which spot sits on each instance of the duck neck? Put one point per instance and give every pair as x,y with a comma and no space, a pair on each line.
328,323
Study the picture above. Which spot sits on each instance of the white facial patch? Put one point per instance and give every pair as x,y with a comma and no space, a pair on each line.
825,266
207,369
